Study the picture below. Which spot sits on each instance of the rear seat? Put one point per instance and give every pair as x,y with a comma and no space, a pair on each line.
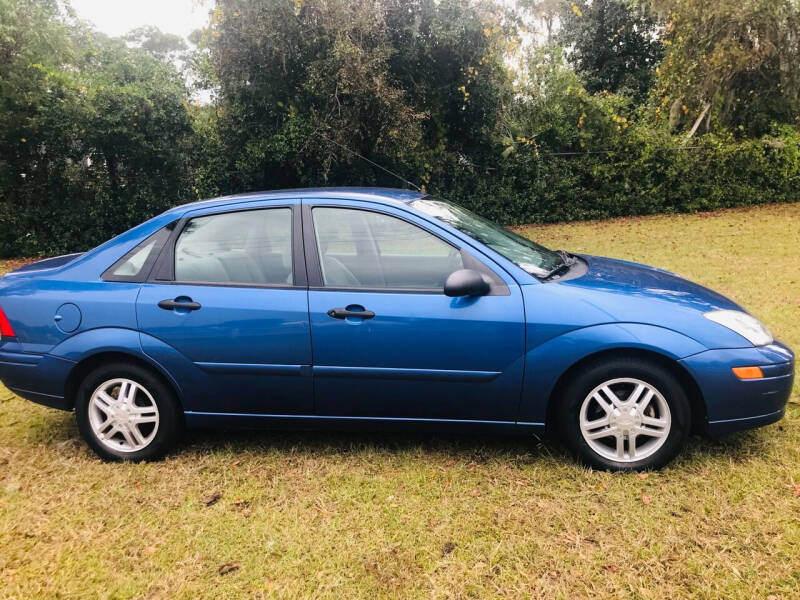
234,266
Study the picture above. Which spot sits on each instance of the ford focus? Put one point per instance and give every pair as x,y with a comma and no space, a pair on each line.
379,307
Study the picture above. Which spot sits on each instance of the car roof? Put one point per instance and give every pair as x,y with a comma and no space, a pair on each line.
387,195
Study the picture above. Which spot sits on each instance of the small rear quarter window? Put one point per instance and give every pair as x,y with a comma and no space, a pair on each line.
133,264
136,264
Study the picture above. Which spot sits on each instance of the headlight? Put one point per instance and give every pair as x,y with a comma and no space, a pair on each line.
746,326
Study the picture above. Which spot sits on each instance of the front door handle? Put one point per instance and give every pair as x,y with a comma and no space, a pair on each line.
344,313
180,304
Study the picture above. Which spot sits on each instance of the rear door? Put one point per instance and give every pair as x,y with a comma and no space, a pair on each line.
226,309
387,342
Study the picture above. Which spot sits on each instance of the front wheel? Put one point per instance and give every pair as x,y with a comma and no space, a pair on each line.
126,413
624,414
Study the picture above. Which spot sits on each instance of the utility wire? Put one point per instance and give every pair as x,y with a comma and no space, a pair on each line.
612,151
416,187
373,163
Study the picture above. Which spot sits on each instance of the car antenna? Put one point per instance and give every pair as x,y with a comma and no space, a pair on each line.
374,164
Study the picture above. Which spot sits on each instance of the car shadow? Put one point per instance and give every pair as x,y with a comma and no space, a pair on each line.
58,430
473,447
479,448
739,447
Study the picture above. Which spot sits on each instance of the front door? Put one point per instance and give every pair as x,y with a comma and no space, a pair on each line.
231,316
387,342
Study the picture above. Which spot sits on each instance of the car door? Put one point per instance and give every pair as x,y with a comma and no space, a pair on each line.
387,342
226,308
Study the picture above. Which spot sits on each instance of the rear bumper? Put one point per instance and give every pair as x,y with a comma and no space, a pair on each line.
36,377
733,404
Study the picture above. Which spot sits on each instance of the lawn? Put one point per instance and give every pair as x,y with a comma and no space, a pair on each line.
333,515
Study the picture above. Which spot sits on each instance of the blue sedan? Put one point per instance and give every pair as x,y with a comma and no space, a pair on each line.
379,307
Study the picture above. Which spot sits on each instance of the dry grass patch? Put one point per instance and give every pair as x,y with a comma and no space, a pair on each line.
329,515
9,264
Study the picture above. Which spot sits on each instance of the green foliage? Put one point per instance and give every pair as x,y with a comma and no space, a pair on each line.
554,112
740,56
92,133
613,46
649,172
97,134
163,46
399,82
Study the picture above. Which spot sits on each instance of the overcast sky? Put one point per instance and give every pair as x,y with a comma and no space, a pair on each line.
116,17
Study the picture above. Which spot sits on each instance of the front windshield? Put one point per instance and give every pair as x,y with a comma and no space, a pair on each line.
533,258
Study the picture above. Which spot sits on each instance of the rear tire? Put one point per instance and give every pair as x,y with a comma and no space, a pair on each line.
624,414
127,413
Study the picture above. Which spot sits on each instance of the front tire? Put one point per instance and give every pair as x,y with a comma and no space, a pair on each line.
126,413
624,414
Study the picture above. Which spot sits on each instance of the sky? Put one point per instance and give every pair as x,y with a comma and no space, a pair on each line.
116,17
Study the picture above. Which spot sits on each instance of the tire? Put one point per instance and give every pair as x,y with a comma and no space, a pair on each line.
649,415
127,413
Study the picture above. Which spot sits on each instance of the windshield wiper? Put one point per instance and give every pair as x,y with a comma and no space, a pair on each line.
567,260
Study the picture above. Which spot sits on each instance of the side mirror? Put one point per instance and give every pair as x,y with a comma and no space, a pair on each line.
466,282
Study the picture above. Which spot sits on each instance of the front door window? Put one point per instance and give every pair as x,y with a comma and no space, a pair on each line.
368,250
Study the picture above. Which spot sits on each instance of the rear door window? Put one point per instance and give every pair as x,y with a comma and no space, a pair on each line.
248,247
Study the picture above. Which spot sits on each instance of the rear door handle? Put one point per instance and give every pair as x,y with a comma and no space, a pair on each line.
343,313
181,304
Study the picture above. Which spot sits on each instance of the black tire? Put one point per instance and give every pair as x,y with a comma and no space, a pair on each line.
170,415
596,373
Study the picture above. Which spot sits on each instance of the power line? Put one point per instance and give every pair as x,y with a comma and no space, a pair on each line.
585,152
374,164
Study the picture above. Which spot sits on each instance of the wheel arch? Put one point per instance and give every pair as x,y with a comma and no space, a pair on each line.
89,363
690,386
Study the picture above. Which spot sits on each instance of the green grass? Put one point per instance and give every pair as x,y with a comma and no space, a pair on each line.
327,515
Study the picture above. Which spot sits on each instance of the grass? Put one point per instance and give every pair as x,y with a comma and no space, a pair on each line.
327,515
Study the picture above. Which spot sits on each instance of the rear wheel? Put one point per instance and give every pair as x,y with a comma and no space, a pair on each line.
624,414
125,412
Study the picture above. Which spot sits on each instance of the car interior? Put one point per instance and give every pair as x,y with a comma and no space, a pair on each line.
252,247
366,249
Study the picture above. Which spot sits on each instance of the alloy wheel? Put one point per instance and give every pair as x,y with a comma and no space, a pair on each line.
123,415
625,420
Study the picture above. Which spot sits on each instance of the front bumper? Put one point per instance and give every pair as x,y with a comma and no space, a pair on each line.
733,404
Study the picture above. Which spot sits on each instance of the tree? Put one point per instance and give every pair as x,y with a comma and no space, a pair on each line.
612,45
163,46
136,126
734,62
555,113
449,58
395,81
92,133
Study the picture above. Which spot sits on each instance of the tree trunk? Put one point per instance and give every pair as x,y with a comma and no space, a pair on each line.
697,122
113,178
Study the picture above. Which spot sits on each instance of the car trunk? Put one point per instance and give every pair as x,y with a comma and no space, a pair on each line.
48,263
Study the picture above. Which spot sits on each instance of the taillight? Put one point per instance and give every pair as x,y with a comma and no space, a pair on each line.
5,327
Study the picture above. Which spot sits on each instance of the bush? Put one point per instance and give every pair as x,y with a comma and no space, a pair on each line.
97,135
650,174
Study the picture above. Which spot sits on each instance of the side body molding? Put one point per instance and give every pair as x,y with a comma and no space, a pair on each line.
545,363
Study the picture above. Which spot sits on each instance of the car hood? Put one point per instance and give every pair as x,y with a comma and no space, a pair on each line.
620,291
612,276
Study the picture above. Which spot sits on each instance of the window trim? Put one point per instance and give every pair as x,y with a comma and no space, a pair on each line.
164,270
313,264
161,237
